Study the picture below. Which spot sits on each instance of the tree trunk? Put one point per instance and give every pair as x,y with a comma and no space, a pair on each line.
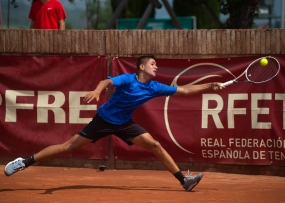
245,20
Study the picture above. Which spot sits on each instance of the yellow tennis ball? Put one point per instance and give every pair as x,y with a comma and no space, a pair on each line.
263,62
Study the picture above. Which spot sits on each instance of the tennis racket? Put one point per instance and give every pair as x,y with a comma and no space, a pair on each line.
257,73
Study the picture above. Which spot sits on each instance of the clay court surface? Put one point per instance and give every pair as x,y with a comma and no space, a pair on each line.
62,184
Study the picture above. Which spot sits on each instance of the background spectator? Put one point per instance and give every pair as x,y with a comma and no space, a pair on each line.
47,14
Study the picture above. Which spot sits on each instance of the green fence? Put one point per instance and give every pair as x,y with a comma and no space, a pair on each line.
187,23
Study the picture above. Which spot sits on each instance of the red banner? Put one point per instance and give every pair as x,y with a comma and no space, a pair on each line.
242,124
41,102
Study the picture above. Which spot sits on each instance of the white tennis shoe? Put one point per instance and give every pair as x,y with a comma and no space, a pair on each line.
191,181
14,166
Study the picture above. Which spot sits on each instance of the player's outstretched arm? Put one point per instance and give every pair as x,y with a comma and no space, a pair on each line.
194,89
95,94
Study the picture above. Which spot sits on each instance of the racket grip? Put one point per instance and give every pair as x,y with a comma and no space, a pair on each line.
227,83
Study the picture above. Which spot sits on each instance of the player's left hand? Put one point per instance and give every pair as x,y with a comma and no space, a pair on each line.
90,96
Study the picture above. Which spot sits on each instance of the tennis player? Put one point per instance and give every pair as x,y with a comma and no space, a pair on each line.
115,117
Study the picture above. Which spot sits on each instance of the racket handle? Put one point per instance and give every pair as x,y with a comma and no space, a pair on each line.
227,83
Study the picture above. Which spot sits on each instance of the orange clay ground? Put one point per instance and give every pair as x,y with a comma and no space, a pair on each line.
61,184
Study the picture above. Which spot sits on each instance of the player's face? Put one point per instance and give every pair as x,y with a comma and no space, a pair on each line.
150,67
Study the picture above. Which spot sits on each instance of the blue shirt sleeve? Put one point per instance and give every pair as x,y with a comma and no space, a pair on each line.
164,90
121,79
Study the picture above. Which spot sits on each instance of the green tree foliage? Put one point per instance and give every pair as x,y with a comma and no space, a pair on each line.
134,8
197,8
68,26
241,13
97,14
14,3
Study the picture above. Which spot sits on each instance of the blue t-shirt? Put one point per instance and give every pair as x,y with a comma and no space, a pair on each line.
129,94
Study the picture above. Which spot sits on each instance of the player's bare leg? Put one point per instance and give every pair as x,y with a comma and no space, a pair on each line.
72,144
146,141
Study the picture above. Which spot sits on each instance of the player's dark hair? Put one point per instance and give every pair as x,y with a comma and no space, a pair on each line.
143,60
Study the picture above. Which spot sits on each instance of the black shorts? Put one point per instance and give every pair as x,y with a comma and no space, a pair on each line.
99,128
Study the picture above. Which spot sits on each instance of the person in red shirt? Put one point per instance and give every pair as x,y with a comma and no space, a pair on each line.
47,14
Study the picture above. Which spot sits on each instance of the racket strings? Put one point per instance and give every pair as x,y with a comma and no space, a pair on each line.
257,73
